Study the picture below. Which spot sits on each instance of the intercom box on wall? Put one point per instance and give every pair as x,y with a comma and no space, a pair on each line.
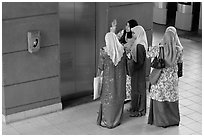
33,41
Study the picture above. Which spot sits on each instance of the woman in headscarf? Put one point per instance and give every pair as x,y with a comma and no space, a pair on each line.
164,96
112,61
137,69
125,36
127,33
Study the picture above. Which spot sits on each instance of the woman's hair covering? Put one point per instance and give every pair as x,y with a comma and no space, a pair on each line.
171,44
141,38
113,48
178,43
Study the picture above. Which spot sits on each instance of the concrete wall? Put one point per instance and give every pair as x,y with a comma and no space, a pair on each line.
29,80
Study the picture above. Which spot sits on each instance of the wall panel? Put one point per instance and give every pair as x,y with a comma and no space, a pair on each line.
23,66
142,12
14,32
31,92
29,80
24,9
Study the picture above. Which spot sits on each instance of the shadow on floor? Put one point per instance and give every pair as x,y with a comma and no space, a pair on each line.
71,102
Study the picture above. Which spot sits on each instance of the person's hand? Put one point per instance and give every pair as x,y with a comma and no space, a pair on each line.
127,47
113,26
120,34
114,22
112,29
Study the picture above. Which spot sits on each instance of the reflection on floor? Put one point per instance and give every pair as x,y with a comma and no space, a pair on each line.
81,119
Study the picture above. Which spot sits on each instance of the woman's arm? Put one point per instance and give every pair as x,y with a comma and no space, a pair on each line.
120,34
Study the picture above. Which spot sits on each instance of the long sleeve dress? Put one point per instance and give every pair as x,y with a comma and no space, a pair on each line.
122,38
113,91
164,96
138,82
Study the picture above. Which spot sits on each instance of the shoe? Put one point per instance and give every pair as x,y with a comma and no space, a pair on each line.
134,114
141,114
127,100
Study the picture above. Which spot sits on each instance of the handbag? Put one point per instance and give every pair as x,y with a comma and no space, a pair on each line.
159,62
154,76
97,84
180,69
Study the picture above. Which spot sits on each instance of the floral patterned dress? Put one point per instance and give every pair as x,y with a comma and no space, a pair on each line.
166,88
164,104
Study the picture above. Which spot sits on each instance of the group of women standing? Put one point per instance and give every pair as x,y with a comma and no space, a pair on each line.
123,62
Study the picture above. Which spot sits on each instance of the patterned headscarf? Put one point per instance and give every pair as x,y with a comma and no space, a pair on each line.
113,48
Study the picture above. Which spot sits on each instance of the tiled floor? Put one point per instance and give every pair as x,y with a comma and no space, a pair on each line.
82,119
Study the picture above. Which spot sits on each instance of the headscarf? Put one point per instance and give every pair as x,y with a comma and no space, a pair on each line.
132,24
113,48
171,42
178,43
141,38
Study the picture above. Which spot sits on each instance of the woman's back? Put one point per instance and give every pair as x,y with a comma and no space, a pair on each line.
114,77
113,90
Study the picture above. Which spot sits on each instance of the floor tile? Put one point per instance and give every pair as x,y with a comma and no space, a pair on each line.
186,102
197,127
195,116
186,111
184,120
10,131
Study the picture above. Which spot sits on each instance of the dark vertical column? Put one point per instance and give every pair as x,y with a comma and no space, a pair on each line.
171,13
196,15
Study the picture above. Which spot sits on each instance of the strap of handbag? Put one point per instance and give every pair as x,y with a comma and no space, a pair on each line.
161,52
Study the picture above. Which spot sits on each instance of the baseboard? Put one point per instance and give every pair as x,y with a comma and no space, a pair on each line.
31,113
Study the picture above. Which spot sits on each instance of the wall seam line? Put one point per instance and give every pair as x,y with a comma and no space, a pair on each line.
31,16
14,84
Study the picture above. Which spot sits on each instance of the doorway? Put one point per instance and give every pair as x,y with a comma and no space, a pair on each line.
77,49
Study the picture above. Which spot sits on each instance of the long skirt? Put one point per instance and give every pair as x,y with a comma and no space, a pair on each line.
164,114
110,116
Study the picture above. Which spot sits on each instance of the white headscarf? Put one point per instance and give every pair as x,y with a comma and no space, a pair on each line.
178,43
141,38
171,42
113,48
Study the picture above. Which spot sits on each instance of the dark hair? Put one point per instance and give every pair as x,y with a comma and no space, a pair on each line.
132,24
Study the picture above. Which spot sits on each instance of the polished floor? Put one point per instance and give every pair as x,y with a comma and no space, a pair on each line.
81,119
